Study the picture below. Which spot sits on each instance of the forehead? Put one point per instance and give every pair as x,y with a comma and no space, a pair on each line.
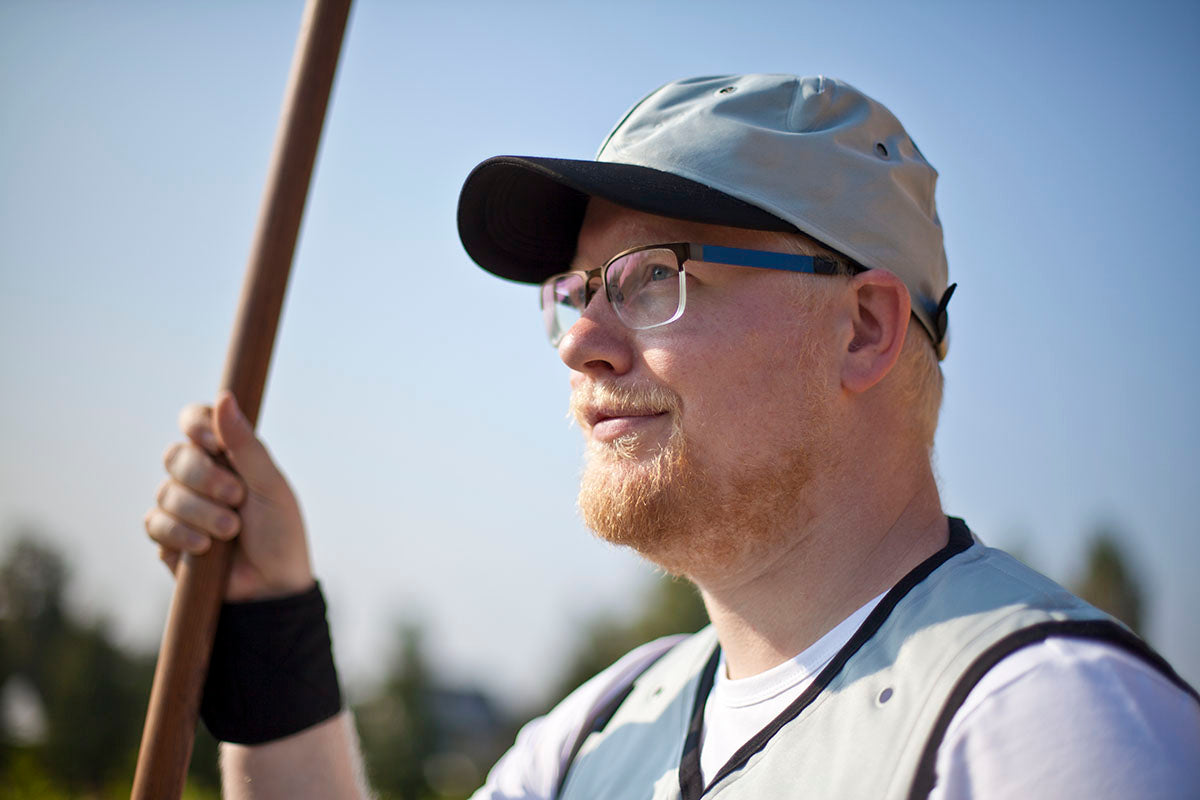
609,229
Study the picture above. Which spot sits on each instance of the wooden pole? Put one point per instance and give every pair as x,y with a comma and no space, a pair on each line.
170,726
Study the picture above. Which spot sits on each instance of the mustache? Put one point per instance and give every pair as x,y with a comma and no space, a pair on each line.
616,399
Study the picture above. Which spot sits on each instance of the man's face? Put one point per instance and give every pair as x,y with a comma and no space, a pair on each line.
702,434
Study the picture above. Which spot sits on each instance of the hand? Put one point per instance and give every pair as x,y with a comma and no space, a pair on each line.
201,500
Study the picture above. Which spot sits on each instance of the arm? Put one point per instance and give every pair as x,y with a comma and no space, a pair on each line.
1071,718
199,501
321,761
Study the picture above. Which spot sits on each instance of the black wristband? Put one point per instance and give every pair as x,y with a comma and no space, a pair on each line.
271,673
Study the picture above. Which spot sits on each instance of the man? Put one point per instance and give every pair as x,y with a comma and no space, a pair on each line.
749,288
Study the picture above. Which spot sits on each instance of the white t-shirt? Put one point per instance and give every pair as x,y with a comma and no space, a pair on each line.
1060,719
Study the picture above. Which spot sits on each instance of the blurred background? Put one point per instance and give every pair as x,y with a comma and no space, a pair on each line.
413,400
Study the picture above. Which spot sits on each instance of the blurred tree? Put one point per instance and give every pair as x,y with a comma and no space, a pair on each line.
395,726
670,605
1109,582
89,693
32,581
421,739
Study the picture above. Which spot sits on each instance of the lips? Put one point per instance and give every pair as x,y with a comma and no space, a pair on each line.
609,424
607,412
596,416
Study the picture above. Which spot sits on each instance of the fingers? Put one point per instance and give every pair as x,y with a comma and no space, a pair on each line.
198,513
173,535
195,420
184,521
246,453
223,483
193,468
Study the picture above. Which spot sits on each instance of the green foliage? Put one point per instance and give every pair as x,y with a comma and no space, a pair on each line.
421,739
670,605
394,727
25,778
1109,581
90,693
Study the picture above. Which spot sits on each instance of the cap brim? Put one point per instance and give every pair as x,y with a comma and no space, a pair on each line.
519,217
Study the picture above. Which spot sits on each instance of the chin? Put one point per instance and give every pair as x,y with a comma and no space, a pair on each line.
628,496
667,507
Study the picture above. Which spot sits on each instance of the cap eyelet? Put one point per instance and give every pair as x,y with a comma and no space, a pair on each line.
885,695
727,90
881,150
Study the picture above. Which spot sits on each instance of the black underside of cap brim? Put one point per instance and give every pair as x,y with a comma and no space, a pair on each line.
519,217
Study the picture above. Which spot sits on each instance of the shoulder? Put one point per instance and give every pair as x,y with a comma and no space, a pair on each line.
1071,717
532,766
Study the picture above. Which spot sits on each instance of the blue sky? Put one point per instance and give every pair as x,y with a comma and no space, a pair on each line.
413,400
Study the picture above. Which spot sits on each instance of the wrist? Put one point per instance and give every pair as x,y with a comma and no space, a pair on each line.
271,673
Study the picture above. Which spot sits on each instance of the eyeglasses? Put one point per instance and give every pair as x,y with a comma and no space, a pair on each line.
647,286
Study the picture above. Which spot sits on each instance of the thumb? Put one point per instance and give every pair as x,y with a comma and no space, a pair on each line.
246,453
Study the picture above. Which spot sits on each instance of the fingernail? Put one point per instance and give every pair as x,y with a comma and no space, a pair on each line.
196,543
230,493
227,524
209,440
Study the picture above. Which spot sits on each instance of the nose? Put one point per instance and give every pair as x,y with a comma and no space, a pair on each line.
598,343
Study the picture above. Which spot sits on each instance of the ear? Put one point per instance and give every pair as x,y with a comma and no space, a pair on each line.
879,316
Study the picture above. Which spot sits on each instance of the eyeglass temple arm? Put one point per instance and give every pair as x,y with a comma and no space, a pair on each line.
739,257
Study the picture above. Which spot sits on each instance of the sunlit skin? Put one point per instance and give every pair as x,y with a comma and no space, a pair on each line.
727,345
814,500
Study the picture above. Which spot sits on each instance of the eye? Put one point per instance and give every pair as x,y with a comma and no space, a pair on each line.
660,272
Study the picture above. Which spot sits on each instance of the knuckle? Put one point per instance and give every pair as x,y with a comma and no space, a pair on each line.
171,453
158,527
194,412
195,470
196,423
160,495
188,465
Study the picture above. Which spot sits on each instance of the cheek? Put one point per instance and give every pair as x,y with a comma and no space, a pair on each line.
742,390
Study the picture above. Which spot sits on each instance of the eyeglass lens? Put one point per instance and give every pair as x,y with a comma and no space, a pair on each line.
563,300
643,286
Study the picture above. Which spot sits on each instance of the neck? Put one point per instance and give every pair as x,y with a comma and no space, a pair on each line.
835,561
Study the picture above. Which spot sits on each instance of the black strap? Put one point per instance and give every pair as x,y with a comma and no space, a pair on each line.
691,783
1096,630
691,780
599,719
941,318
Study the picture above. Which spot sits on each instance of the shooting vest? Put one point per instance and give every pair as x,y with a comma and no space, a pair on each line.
870,724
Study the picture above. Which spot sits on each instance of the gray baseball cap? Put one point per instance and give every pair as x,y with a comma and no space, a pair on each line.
764,152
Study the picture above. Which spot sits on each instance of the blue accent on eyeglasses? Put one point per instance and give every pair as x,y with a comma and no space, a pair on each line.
739,257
